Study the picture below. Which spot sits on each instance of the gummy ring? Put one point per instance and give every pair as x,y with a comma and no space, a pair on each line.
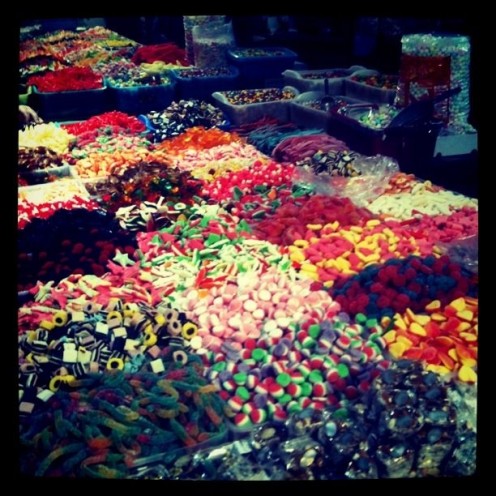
174,327
60,318
57,380
160,319
130,309
148,329
171,314
189,330
180,356
90,307
114,315
115,364
150,339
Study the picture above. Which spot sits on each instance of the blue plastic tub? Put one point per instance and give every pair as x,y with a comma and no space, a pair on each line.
259,67
202,87
69,105
141,99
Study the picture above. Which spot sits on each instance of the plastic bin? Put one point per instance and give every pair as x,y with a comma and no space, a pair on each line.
42,176
141,99
241,114
60,190
313,80
304,116
412,146
69,105
202,87
367,92
257,66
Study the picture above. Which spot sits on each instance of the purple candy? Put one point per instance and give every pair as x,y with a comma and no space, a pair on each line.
326,326
224,375
243,367
330,335
287,342
280,350
344,317
266,371
260,400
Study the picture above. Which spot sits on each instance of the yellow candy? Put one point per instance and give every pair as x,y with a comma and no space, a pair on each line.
385,321
330,264
115,364
310,274
468,337
342,264
438,369
422,319
464,326
467,315
399,322
160,319
390,336
453,354
405,341
300,243
466,374
150,340
189,330
47,325
397,349
60,318
328,284
297,256
308,267
409,315
433,305
469,362
356,229
458,304
438,317
373,222
314,227
417,329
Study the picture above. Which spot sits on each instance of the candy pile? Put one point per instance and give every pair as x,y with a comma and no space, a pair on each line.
26,211
169,53
298,218
179,116
260,178
333,163
383,81
252,306
300,147
378,119
144,182
69,79
62,190
406,205
443,338
68,242
323,361
39,157
70,345
407,183
206,72
125,74
258,52
104,423
397,285
246,97
49,135
115,121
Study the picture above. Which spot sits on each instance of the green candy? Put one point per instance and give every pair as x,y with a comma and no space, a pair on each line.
314,331
283,379
343,370
315,376
219,366
285,398
360,318
240,378
371,323
243,393
306,389
258,354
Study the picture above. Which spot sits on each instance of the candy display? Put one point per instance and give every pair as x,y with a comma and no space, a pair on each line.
224,292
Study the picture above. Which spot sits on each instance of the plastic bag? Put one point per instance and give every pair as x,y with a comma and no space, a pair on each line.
211,41
371,183
463,251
